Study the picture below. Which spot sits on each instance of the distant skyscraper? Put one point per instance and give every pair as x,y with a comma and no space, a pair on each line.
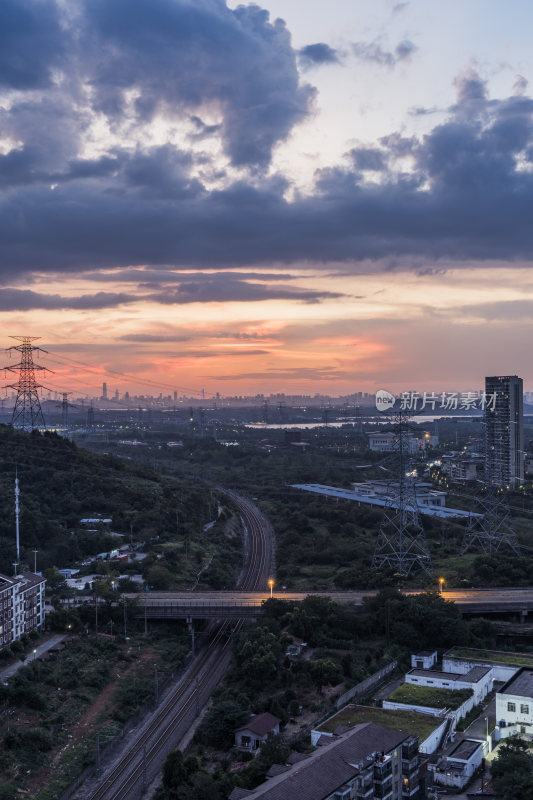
504,431
104,391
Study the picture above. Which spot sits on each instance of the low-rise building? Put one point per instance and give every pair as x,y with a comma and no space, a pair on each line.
21,606
425,659
504,664
478,679
514,705
461,468
366,762
426,729
457,768
256,731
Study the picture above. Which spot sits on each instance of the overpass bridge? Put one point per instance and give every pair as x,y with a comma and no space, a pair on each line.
242,605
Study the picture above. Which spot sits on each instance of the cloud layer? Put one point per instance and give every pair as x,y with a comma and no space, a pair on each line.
72,201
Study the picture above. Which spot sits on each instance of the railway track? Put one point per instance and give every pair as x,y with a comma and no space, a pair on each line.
130,774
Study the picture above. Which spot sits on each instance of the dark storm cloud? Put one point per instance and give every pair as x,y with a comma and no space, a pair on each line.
368,158
182,55
374,52
26,300
31,43
317,54
161,276
468,193
227,290
204,291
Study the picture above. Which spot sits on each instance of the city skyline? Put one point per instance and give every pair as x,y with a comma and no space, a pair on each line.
208,197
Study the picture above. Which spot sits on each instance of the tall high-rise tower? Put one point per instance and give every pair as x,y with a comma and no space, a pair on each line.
27,411
504,431
104,391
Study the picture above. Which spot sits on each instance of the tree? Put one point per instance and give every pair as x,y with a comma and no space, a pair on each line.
324,671
220,723
512,770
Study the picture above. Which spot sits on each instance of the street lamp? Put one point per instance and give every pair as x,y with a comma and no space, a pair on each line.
441,583
271,584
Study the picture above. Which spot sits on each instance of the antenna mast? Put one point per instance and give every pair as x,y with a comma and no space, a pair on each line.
17,492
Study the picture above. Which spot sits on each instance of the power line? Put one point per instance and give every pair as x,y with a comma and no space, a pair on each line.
108,371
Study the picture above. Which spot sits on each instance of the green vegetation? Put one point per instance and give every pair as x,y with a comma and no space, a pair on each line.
512,770
421,725
60,484
432,697
56,707
324,543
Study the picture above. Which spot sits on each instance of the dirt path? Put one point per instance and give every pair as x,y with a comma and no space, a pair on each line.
88,724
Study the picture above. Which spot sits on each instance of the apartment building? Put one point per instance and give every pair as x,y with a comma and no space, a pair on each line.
21,605
367,762
504,431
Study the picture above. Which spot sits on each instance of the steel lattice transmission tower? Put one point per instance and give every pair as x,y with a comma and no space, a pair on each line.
401,543
492,528
27,411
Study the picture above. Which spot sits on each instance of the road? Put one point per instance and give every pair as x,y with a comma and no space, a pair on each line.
38,651
136,767
242,603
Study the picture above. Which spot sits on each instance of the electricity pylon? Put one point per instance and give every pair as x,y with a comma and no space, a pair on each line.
27,411
401,543
492,528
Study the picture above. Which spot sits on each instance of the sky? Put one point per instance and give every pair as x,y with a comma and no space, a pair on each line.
299,197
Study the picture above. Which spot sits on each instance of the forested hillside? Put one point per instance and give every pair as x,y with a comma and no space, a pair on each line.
61,483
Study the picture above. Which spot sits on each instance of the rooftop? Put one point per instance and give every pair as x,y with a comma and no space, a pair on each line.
383,501
490,656
472,676
429,696
414,723
260,724
331,766
520,684
465,749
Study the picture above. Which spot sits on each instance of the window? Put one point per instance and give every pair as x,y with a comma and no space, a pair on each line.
511,707
524,708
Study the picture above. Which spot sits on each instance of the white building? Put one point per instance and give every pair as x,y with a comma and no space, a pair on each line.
478,680
514,705
21,606
503,664
460,764
386,442
425,659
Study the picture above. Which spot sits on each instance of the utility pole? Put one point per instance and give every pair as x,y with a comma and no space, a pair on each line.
35,560
27,411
